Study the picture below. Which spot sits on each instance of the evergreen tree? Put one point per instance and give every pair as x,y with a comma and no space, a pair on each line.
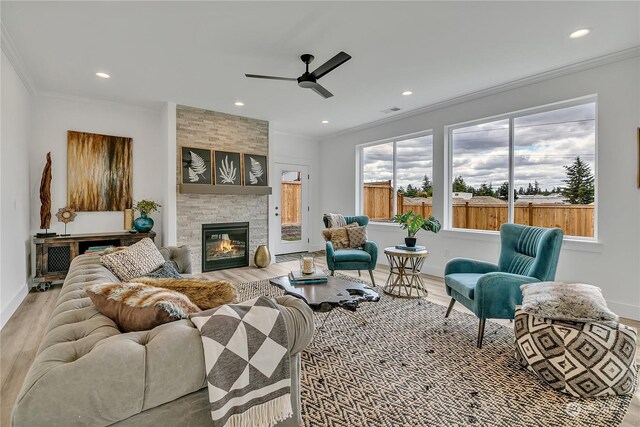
536,187
521,191
411,191
485,190
427,186
580,183
503,191
459,186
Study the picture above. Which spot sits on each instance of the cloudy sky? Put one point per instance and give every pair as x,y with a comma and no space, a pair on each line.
544,143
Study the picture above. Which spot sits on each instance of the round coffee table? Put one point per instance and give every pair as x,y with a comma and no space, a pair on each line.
404,279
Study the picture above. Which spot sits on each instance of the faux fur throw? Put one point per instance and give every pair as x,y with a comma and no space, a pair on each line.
205,294
565,301
139,307
247,363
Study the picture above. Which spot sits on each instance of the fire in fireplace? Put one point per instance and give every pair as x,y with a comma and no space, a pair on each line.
225,245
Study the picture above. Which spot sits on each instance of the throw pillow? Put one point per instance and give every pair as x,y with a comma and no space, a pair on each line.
166,270
565,301
137,260
338,236
357,236
205,294
335,220
139,307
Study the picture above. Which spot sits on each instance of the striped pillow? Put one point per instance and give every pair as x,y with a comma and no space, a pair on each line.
137,260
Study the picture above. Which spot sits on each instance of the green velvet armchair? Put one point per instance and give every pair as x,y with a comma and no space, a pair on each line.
353,259
490,291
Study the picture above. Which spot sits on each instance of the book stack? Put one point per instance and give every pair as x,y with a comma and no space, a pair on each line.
299,278
411,249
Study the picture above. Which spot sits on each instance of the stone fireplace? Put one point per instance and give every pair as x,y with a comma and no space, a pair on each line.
225,245
200,128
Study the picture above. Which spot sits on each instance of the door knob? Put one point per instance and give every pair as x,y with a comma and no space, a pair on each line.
277,214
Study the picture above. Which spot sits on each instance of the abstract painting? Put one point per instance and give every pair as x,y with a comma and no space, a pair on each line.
227,168
196,166
255,170
98,172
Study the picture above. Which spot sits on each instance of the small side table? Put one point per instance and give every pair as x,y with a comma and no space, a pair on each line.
404,279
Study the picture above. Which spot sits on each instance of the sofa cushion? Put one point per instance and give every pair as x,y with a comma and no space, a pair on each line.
139,307
204,293
338,236
351,255
463,283
166,270
565,301
357,236
137,260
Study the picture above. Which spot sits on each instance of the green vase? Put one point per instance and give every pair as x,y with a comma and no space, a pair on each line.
144,224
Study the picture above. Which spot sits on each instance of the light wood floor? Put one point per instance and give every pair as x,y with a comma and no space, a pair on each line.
20,337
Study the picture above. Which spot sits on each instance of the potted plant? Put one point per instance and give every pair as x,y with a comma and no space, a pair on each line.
413,223
144,224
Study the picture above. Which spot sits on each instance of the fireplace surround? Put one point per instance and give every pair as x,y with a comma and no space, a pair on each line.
225,245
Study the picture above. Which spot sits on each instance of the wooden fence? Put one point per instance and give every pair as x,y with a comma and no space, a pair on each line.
574,220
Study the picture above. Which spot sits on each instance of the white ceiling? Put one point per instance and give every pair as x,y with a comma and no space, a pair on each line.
197,53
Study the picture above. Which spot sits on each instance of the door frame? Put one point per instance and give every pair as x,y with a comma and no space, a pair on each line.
277,245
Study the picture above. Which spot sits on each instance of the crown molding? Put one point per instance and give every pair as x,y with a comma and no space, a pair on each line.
536,78
74,98
9,49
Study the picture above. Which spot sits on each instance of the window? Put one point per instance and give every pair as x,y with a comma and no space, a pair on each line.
396,176
534,167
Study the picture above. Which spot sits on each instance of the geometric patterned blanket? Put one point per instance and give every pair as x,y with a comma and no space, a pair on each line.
247,363
583,359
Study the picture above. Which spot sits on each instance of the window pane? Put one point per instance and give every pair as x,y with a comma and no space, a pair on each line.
554,169
414,166
377,178
480,173
291,206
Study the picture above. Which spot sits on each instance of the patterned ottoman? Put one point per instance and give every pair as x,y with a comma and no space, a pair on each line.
583,359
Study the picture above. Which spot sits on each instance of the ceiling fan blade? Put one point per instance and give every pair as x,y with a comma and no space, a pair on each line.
258,76
331,64
321,91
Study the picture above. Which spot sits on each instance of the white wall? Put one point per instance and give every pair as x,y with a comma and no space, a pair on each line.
302,150
15,112
611,264
54,116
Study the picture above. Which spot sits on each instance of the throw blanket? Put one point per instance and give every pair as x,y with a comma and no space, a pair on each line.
247,363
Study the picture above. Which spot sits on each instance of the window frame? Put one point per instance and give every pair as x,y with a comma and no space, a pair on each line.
511,116
359,208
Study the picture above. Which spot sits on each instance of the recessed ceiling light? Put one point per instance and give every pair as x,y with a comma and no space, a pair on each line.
324,122
239,104
579,33
407,93
103,75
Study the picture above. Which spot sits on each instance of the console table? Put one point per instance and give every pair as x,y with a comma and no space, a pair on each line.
54,254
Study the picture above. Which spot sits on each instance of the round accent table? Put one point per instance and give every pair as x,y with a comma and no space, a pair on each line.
404,279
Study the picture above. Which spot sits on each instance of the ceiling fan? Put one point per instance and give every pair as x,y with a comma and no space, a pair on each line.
310,80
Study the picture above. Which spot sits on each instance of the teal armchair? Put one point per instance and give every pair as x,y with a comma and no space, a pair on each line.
490,291
353,259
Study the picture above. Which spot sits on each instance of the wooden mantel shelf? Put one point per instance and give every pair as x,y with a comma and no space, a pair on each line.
223,189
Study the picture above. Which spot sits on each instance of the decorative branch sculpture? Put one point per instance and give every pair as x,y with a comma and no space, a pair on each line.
45,195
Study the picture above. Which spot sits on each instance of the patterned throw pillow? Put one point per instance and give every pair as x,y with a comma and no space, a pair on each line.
137,260
357,236
338,236
139,307
166,270
335,220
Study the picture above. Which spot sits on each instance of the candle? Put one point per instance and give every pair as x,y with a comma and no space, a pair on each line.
128,219
307,265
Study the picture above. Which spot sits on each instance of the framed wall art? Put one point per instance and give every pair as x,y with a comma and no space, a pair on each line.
196,165
255,170
99,172
228,170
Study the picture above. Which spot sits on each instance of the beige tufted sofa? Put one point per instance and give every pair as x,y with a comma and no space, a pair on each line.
88,373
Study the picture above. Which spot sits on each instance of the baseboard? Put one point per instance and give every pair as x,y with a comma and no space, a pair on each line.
13,305
628,311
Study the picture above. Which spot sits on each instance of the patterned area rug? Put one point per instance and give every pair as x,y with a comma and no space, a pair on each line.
408,366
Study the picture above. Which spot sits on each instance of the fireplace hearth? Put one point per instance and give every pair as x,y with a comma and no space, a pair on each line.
225,245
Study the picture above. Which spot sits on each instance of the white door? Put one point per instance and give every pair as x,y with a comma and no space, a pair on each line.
291,208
